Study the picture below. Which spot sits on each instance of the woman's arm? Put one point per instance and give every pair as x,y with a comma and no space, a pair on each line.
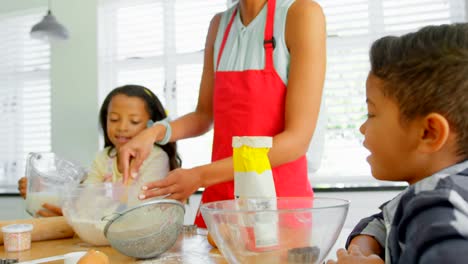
306,40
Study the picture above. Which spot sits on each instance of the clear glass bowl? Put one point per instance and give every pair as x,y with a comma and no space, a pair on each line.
87,207
47,173
111,214
292,230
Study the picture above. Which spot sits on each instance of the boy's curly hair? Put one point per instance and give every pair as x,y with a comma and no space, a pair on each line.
427,72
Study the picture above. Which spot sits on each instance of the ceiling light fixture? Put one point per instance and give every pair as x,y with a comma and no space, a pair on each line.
49,28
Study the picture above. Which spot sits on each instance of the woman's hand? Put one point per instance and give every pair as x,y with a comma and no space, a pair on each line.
49,210
132,155
22,186
179,185
354,255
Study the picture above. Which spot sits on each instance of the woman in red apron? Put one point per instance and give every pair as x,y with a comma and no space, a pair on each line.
248,103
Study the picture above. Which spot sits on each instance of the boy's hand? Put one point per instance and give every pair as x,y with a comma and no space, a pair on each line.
354,255
22,186
49,211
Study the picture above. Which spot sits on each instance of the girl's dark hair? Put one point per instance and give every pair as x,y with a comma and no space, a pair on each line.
155,110
427,72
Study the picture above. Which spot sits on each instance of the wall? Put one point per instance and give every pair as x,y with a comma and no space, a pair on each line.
75,81
74,77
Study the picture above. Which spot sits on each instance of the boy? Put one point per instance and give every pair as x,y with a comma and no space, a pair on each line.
417,131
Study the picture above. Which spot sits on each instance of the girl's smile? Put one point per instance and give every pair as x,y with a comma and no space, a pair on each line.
127,116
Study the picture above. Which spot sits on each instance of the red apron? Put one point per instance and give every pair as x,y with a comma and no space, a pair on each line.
251,103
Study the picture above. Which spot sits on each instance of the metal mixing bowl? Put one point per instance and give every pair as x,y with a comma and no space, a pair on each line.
147,230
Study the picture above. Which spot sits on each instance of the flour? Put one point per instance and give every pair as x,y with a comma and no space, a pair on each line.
90,231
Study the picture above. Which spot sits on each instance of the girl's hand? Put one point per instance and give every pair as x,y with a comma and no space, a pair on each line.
179,185
133,153
22,186
49,211
354,255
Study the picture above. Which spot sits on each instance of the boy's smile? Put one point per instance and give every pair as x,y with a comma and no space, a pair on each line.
392,146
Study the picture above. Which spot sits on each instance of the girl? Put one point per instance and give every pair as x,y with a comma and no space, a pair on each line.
125,112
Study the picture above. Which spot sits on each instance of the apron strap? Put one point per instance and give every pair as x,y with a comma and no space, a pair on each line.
226,34
269,41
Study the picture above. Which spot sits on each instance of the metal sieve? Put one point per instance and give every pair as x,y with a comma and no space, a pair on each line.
146,230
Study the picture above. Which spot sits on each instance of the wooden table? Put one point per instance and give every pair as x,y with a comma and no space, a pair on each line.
190,248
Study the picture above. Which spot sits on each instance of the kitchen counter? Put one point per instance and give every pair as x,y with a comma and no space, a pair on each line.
190,248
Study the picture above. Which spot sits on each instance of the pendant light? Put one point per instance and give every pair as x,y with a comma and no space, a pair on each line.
49,28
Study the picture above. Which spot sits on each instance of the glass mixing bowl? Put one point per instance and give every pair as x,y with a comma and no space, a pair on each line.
296,230
87,206
47,174
111,214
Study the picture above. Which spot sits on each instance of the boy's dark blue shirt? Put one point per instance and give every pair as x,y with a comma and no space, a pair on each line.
426,223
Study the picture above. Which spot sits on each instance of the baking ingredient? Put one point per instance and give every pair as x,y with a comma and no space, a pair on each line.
44,228
85,213
94,257
253,178
35,200
17,237
90,231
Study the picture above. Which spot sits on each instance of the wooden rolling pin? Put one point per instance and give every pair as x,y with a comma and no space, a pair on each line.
46,228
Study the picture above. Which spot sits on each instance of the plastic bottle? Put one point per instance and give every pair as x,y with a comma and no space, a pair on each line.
254,186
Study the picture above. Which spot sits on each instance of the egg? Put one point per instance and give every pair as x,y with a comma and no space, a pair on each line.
94,257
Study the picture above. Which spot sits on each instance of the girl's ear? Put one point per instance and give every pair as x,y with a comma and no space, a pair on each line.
435,133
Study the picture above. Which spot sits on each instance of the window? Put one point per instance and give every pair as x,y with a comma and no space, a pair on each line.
24,94
352,26
159,44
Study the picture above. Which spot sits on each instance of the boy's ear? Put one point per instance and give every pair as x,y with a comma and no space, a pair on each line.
435,131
